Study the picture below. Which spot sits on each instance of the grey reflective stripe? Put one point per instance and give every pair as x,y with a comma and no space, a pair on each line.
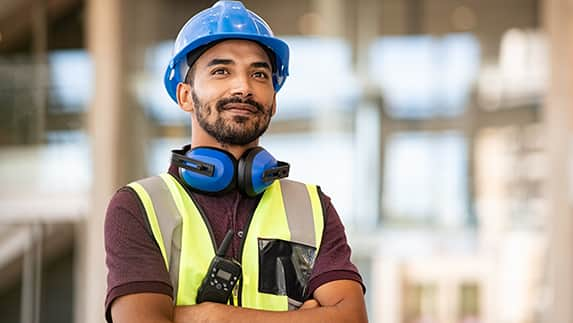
293,304
169,221
298,211
175,260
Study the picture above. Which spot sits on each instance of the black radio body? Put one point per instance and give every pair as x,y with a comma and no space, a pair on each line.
221,277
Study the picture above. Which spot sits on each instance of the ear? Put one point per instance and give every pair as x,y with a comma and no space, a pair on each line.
274,108
184,97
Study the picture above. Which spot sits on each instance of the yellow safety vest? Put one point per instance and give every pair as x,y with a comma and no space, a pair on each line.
288,210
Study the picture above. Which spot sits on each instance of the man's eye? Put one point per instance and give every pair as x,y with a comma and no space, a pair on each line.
219,71
260,74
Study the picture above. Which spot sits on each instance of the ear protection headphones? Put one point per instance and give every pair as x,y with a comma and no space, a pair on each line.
215,171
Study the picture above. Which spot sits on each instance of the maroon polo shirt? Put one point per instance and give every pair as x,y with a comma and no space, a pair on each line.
135,264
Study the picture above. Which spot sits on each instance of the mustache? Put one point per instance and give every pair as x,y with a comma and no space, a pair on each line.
235,99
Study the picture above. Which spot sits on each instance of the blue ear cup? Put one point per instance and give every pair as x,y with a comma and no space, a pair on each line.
257,170
208,170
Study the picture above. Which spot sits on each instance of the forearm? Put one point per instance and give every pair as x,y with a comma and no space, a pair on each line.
212,312
143,308
336,301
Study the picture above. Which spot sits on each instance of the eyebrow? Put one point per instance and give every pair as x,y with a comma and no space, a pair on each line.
222,61
219,61
261,65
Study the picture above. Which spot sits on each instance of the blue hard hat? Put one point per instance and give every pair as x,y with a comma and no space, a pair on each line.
224,20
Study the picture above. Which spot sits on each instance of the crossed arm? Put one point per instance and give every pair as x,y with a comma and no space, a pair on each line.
336,301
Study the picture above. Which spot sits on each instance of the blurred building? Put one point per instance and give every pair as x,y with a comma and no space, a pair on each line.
440,128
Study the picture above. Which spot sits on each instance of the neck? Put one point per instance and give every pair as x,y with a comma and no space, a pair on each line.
237,151
202,139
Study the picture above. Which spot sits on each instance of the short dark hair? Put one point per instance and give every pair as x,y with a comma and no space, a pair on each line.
191,58
190,76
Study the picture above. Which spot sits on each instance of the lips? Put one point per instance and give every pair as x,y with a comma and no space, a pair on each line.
241,107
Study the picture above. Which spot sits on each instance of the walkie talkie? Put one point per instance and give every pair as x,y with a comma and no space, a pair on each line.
222,276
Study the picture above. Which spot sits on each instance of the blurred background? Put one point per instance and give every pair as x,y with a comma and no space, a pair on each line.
440,128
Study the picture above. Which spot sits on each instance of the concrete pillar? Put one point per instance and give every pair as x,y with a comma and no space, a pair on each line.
332,17
559,124
447,299
329,23
104,44
387,290
118,33
367,22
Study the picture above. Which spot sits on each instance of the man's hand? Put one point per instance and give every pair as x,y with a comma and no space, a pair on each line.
311,303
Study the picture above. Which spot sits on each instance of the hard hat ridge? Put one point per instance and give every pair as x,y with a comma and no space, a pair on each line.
224,20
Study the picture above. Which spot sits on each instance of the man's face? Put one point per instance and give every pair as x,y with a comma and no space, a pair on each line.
232,92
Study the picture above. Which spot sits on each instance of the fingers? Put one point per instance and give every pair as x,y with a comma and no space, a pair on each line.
311,303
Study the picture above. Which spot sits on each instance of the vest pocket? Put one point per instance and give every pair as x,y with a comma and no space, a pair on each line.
285,268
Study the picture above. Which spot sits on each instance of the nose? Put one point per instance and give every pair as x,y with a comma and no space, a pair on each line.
241,86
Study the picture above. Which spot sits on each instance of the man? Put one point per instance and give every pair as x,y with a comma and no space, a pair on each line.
162,232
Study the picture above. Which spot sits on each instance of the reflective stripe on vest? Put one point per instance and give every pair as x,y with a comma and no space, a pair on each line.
188,228
288,210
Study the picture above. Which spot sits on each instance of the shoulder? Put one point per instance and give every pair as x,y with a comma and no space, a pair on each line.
124,215
325,200
127,204
124,205
123,202
124,198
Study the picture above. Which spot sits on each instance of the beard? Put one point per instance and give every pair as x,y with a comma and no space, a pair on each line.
240,130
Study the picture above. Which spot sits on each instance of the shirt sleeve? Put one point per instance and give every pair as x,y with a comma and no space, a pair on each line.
133,258
333,259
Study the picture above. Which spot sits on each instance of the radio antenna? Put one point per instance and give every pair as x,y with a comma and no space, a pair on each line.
225,244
